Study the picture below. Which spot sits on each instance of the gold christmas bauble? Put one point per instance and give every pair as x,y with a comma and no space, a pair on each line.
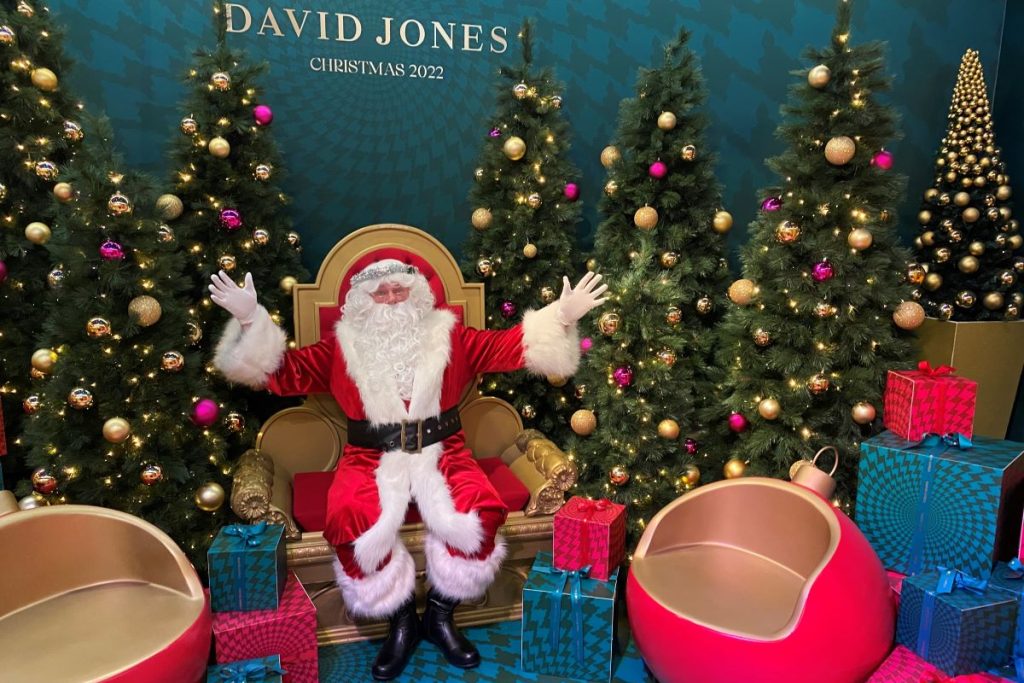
993,301
668,259
43,360
769,408
761,337
287,283
514,148
1015,241
734,468
7,35
611,187
691,474
31,404
227,263
583,422
688,153
704,305
220,81
608,323
955,236
673,315
908,315
863,413
932,281
63,192
966,298
961,199
151,473
262,172
645,218
787,232
666,120
942,254
618,475
219,147
235,422
294,239
928,238
528,412
116,430
915,273
97,327
534,200
557,381
530,250
72,132
25,9
945,311
742,292
840,150
37,232
547,294
818,384
609,156
924,217
520,90
971,214
722,222
485,267
189,126
667,356
1004,192
819,76
1007,278
80,398
261,237
169,206
172,361
860,238
44,79
118,205
968,264
668,429
144,310
210,497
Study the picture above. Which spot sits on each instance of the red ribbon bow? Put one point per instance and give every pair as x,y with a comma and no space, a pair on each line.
588,508
925,368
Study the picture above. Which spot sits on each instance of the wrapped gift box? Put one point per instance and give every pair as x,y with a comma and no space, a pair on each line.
264,670
289,631
248,566
903,666
929,401
1011,580
590,533
956,623
568,622
938,505
895,585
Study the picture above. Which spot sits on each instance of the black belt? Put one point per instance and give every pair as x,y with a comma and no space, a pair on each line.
411,436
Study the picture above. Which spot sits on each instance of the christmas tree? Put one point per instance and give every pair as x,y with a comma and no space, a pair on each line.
646,376
123,418
228,211
38,134
525,212
812,332
970,263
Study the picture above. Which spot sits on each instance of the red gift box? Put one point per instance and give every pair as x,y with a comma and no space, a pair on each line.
903,666
929,401
289,631
590,532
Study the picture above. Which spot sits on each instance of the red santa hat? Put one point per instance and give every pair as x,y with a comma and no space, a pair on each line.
375,266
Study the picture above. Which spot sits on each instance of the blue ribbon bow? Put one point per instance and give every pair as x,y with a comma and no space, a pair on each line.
249,671
574,577
949,581
246,534
937,445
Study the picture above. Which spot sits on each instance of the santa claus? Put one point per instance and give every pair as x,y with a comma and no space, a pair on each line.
397,364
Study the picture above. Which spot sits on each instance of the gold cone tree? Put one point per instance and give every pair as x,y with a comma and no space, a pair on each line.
969,249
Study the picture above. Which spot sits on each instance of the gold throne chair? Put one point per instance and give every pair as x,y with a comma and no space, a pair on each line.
284,479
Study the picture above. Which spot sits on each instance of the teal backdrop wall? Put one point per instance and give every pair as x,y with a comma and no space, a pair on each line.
370,148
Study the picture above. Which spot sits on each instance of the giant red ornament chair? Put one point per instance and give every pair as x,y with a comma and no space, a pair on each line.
95,595
760,580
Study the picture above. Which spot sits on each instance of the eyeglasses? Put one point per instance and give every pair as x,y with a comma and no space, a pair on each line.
390,293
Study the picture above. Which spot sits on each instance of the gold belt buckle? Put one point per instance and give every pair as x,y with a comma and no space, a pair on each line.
419,436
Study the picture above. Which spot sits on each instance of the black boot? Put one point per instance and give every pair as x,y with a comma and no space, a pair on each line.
403,636
439,629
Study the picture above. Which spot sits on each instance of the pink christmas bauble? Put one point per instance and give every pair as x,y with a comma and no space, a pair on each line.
883,159
658,169
690,446
738,423
586,344
822,271
623,376
205,412
771,204
3,271
495,133
111,251
571,191
262,115
230,219
508,309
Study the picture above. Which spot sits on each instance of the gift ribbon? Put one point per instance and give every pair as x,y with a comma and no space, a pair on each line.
949,581
938,447
586,509
242,536
574,577
251,671
926,369
1016,573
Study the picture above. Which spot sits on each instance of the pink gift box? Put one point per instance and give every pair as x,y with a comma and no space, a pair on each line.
289,631
929,401
903,666
590,532
895,585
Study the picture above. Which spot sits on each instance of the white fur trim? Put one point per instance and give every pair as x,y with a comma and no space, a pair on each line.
549,347
381,400
393,489
252,355
461,578
379,594
461,530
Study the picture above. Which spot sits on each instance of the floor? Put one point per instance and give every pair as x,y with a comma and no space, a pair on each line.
499,649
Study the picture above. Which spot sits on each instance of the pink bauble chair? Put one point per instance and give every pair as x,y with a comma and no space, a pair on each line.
758,580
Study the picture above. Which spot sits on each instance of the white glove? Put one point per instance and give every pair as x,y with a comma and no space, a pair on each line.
238,301
575,303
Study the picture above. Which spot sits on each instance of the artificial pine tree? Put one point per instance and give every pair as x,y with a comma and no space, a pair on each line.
970,264
228,211
525,212
660,248
38,134
123,418
812,334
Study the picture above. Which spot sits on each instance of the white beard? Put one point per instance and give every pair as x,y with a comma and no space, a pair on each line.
388,341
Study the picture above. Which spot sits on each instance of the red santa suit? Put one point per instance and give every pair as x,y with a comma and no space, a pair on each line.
372,488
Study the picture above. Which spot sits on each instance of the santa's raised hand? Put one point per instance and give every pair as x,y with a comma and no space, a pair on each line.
576,302
240,302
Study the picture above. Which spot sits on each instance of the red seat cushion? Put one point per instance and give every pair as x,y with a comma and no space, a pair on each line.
309,494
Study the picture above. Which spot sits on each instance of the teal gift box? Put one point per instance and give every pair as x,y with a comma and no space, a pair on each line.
958,623
568,622
262,670
1011,580
934,504
248,567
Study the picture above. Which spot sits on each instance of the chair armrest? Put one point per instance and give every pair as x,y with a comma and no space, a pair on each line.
547,472
254,496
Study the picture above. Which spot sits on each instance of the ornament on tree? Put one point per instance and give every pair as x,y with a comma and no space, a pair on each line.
769,408
3,192
738,423
210,497
151,474
3,272
262,172
293,238
287,283
485,267
528,412
557,381
668,429
44,360
819,76
220,81
722,222
37,232
840,150
508,309
494,132
547,295
172,361
72,131
530,250
822,271
771,204
534,200
688,153
43,481
144,310
666,120
97,327
118,205
63,192
916,273
31,404
704,305
966,298
571,191
610,156
205,412
667,357
25,9
47,170
787,232
234,422
669,259
860,238
514,148
111,251
219,147
690,446
261,237
7,35
230,219
943,254
883,159
734,468
971,215
932,281
262,115
586,343
611,187
645,218
824,310
189,126
742,292
657,170
623,376
583,421
608,323
169,206
116,430
165,234
618,475
481,218
673,315
818,384
761,338
945,311
80,398
863,413
44,79
961,199
968,264
993,301
520,90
